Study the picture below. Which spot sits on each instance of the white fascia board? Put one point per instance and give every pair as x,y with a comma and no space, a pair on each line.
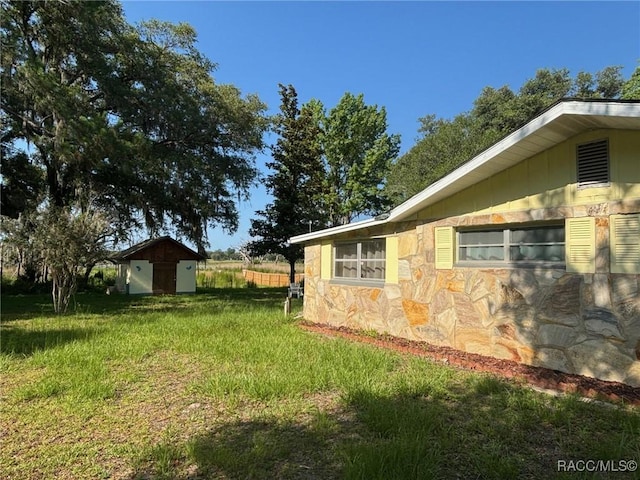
605,109
329,232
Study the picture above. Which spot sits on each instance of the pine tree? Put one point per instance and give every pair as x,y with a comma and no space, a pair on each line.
295,182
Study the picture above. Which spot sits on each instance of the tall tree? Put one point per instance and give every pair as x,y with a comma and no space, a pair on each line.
22,181
295,182
130,117
631,89
444,145
359,153
126,121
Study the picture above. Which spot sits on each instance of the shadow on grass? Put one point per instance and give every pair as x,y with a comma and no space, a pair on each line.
25,307
485,428
20,341
244,450
21,336
260,449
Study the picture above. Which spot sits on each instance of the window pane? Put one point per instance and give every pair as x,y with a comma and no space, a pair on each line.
481,253
538,235
347,251
348,269
372,269
550,253
373,250
365,260
481,238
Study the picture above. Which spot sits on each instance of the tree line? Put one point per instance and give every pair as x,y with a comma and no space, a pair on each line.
110,128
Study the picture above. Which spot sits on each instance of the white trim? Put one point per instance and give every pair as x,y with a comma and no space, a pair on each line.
574,116
328,232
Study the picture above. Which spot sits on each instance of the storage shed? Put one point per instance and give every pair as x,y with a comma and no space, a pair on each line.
157,266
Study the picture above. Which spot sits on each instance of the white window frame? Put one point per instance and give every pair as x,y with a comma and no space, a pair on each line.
360,262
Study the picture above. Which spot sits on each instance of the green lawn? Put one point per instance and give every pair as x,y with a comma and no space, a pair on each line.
222,385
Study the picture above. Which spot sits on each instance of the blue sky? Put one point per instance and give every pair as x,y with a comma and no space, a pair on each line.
414,58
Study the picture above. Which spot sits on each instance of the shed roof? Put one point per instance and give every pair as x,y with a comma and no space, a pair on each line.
556,124
151,242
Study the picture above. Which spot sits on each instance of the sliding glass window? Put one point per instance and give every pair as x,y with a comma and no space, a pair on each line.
521,245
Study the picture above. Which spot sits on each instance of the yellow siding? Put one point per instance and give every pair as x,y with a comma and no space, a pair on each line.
326,251
516,186
626,146
548,179
465,201
391,271
538,181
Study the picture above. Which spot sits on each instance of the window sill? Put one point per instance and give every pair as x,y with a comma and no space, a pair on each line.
357,283
512,265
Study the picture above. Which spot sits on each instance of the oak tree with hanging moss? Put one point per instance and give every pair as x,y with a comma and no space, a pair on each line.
125,120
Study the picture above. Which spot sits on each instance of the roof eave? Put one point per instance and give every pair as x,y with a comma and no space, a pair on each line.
126,254
333,231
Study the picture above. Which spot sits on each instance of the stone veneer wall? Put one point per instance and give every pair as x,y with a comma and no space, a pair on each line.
578,323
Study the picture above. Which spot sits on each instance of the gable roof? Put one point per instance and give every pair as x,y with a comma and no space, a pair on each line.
556,124
129,252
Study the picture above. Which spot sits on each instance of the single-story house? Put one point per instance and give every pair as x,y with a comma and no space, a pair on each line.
157,266
530,251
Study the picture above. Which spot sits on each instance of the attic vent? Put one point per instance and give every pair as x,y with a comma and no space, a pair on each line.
593,163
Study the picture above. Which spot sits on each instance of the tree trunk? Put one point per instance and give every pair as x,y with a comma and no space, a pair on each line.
64,287
292,270
85,278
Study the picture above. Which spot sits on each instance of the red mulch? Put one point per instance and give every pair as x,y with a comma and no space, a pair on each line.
537,376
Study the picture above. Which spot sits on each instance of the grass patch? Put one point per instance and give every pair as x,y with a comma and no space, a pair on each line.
221,385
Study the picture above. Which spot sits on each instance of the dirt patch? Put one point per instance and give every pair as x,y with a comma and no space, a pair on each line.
536,376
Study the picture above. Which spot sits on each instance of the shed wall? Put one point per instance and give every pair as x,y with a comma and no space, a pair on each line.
186,276
140,277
